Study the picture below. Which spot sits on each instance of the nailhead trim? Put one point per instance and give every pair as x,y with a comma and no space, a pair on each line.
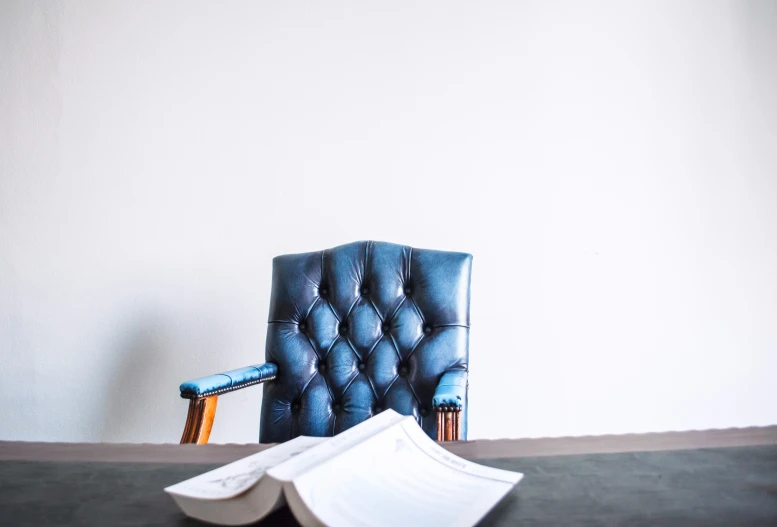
226,390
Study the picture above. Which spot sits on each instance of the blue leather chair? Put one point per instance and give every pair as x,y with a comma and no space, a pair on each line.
354,330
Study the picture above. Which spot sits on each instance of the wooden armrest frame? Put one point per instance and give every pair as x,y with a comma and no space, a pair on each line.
202,412
199,420
448,424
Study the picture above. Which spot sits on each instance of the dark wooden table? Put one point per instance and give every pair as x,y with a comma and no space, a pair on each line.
716,477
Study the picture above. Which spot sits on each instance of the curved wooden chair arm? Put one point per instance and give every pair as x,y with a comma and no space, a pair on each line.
448,424
202,411
199,420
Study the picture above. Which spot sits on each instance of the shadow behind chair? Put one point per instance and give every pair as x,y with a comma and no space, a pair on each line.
354,330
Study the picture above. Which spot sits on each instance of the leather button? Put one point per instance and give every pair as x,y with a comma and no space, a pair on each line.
295,406
377,410
361,366
365,290
408,291
343,329
402,371
336,407
323,291
423,411
428,330
303,326
385,327
321,367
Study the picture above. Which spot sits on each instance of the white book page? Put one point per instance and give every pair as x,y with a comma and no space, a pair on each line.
234,479
336,445
398,477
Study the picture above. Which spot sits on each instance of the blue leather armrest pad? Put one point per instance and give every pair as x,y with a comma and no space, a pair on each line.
451,389
228,381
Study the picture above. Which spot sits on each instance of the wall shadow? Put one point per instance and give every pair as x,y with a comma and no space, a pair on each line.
138,395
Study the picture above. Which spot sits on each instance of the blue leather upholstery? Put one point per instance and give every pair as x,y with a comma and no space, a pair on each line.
360,328
451,391
228,381
354,330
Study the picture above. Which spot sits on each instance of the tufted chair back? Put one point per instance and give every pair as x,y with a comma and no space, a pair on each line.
360,328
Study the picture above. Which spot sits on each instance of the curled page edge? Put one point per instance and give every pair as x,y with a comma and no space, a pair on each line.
231,480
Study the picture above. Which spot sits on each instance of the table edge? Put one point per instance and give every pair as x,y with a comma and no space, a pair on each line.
476,449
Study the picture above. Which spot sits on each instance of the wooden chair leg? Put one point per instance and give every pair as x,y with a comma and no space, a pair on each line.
199,420
448,424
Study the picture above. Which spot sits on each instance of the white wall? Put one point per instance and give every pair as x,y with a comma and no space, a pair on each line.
613,168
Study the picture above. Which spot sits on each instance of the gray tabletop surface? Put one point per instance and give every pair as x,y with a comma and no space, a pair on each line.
708,486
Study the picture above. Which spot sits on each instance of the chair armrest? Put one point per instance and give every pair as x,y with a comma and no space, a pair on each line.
228,381
451,390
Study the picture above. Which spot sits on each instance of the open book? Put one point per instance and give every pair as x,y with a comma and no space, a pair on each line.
383,472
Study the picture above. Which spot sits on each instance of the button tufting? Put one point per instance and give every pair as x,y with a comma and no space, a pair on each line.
375,328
